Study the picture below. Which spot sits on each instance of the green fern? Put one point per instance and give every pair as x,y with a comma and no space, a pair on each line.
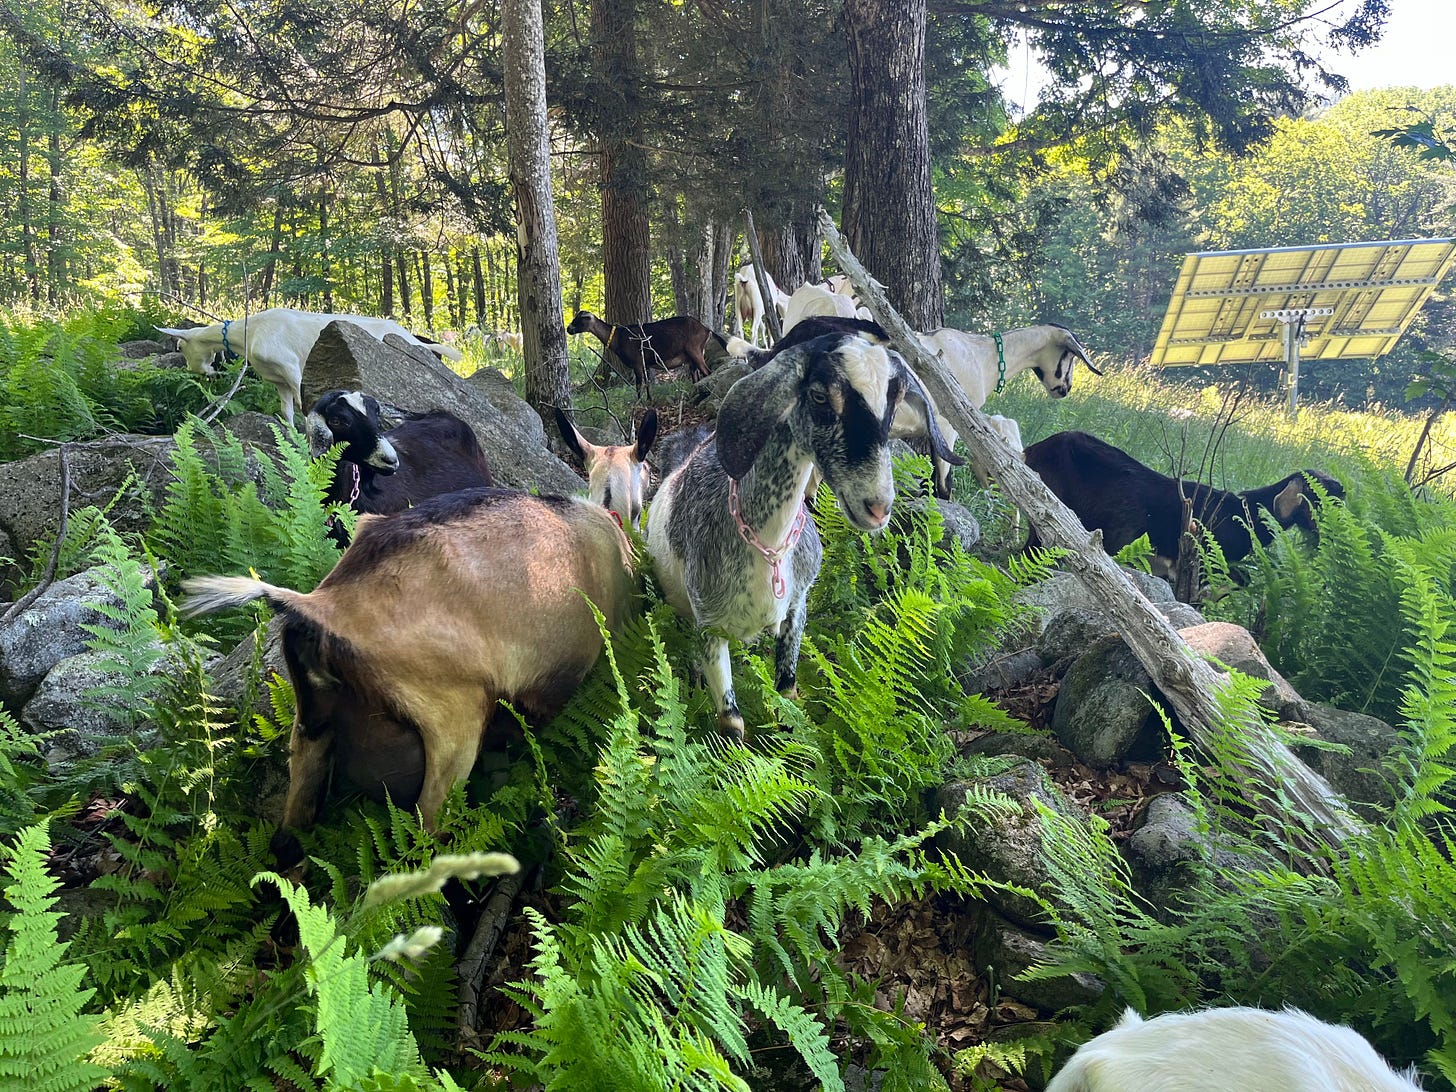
44,1036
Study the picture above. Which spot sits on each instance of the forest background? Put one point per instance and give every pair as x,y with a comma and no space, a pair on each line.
352,157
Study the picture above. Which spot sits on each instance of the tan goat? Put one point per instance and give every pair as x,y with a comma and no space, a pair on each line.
432,615
617,474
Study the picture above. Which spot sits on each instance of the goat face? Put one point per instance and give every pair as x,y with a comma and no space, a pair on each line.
580,322
1054,361
616,475
198,352
838,395
351,418
1293,505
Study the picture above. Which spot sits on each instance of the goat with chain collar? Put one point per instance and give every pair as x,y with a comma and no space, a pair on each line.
731,544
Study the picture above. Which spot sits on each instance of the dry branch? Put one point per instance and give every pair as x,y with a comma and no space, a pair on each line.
1190,685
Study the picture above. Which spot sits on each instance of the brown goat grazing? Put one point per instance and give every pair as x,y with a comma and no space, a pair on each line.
431,616
663,344
1108,489
617,474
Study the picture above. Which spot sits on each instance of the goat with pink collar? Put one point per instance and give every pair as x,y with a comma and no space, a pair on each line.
733,545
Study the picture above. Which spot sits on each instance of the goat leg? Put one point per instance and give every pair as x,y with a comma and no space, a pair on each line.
718,670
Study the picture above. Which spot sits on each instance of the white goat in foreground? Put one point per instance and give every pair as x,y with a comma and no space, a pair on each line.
276,342
1229,1050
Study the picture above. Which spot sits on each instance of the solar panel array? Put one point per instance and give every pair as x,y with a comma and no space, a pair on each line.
1373,291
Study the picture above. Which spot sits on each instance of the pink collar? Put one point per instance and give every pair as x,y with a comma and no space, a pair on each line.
773,557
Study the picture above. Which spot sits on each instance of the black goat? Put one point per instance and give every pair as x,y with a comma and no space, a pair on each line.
663,344
383,472
1108,489
817,326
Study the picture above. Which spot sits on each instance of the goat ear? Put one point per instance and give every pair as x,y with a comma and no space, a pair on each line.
646,433
1288,500
574,440
915,390
754,407
320,436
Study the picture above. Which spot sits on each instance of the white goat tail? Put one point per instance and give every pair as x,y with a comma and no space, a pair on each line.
209,594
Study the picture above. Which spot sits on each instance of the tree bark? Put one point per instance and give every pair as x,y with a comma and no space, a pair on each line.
326,265
270,268
724,236
427,289
1190,685
55,243
626,235
22,182
528,152
889,212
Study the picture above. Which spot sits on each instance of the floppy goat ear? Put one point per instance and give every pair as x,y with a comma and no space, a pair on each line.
754,406
646,433
915,390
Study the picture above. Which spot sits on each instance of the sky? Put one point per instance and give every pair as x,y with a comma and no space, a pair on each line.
1418,48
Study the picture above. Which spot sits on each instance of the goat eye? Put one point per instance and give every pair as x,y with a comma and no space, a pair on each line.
818,397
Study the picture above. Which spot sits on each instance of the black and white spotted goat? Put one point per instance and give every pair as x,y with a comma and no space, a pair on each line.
382,472
733,544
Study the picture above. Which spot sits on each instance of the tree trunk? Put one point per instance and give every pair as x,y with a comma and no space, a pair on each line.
55,242
723,238
791,250
626,237
22,182
401,263
482,318
1190,685
427,290
698,273
528,152
326,266
889,210
270,268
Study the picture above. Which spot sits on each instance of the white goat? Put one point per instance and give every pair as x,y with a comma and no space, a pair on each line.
981,363
1229,1050
733,545
277,342
815,299
748,301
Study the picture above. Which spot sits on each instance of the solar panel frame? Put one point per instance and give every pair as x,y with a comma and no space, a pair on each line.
1375,291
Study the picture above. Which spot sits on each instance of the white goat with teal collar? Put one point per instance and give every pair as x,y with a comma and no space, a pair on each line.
733,547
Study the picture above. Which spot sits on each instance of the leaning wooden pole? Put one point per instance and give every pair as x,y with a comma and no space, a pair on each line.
760,274
1190,684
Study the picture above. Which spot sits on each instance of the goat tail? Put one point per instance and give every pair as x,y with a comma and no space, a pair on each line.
736,346
210,594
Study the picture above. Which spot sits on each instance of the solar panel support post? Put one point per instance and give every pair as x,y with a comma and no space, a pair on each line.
1293,320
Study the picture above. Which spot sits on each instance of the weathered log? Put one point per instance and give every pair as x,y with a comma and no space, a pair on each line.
760,274
1190,685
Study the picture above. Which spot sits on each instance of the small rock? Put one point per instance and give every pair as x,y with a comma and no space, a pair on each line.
1233,646
143,347
1006,845
1181,615
1002,671
48,632
1360,775
64,704
1012,950
1103,715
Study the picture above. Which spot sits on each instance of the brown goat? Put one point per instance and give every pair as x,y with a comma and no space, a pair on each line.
663,344
431,616
617,474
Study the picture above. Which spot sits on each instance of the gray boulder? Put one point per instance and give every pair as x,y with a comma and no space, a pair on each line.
30,488
410,377
492,383
83,724
1234,647
711,389
1072,632
1166,848
48,632
1180,615
235,678
1102,714
1065,591
1002,671
1012,951
1358,775
1006,843
960,525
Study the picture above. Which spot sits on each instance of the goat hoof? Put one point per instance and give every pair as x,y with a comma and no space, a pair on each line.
730,723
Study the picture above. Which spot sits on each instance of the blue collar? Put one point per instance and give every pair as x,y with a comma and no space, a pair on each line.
227,350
